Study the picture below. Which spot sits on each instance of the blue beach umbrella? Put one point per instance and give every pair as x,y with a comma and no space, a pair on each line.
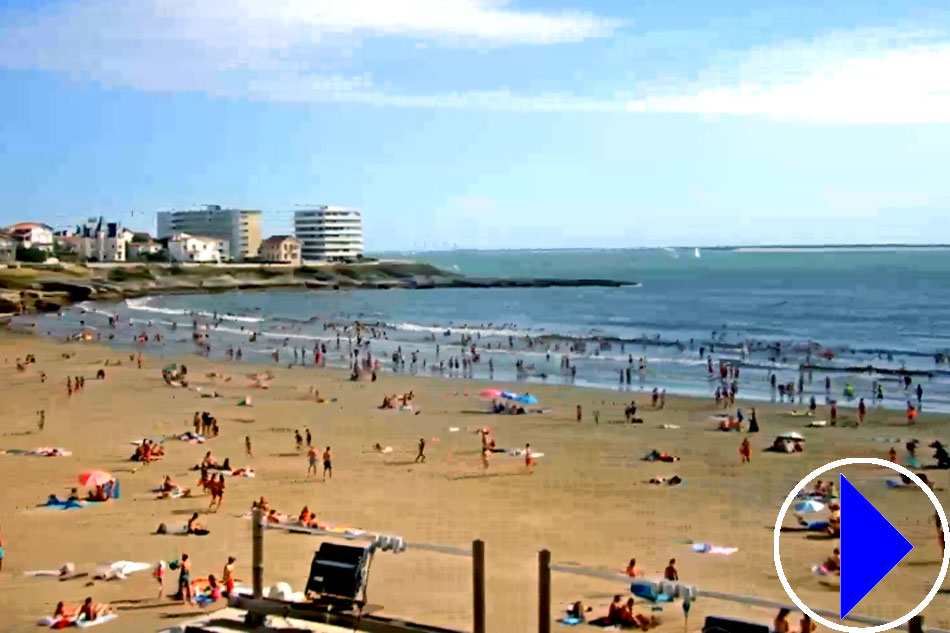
527,399
509,395
809,506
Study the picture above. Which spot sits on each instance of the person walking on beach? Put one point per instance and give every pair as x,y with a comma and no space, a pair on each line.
745,451
421,457
920,395
217,491
309,438
834,414
753,422
862,411
298,439
247,446
312,458
528,460
580,413
327,464
670,572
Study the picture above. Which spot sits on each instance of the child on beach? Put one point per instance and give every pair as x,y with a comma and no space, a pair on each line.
745,451
159,576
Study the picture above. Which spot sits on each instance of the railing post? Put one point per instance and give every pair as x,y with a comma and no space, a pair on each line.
544,591
478,586
257,553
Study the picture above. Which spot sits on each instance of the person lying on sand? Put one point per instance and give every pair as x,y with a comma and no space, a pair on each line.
274,517
168,485
675,480
92,611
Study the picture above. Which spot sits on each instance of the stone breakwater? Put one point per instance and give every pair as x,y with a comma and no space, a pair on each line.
49,288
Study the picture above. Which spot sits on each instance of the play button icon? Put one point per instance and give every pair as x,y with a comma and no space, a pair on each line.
870,547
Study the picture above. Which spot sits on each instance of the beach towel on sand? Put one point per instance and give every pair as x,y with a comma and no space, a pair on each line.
570,621
60,623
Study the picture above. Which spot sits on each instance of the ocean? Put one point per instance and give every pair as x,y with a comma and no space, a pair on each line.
829,308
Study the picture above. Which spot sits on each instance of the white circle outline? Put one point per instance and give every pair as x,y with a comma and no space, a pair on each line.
778,558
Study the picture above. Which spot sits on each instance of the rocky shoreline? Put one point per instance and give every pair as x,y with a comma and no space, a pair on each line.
49,288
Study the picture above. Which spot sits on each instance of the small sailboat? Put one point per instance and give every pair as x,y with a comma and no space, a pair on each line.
696,253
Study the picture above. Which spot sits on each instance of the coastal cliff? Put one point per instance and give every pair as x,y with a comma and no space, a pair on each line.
47,288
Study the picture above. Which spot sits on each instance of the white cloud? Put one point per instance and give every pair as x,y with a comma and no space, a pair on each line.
864,76
312,51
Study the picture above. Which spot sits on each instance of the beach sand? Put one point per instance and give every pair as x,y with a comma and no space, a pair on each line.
586,501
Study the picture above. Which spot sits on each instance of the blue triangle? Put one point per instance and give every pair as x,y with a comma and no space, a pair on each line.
870,547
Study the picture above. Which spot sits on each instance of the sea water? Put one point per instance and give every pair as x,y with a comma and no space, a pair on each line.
886,307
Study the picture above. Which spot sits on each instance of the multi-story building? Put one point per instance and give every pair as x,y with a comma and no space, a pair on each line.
142,245
103,241
183,247
241,228
33,235
282,249
329,233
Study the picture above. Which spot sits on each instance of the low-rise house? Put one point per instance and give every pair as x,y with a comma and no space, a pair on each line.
141,245
284,249
33,235
184,247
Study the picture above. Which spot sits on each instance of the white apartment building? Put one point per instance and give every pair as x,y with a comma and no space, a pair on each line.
329,233
183,247
241,228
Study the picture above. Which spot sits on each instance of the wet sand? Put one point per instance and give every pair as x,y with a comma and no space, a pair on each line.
586,501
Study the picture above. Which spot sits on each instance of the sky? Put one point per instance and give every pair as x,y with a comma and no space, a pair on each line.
486,123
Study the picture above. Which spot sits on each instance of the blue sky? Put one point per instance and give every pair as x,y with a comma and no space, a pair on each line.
487,124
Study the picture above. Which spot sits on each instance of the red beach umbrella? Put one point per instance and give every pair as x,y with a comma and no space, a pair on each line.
490,393
93,478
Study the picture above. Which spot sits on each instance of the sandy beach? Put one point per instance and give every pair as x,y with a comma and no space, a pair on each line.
587,499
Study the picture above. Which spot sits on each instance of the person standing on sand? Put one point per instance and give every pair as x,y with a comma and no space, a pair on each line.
670,572
247,446
421,457
580,413
745,451
69,386
753,422
2,552
312,458
309,437
834,414
159,576
184,580
298,439
327,464
227,576
940,539
486,453
862,410
528,460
